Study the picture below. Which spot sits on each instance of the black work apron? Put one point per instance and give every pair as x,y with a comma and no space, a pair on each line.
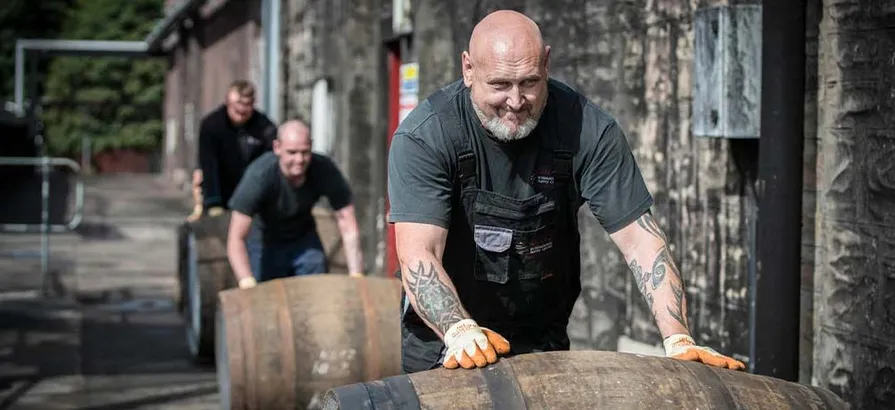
514,262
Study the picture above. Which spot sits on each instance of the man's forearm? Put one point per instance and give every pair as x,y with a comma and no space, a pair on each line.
432,293
354,256
238,256
347,223
659,280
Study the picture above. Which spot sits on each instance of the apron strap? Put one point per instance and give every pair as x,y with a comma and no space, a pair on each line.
450,122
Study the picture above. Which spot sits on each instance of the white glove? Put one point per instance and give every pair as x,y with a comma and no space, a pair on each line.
471,346
683,347
247,283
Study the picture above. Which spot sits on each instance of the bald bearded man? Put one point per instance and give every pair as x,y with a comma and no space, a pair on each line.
485,179
277,194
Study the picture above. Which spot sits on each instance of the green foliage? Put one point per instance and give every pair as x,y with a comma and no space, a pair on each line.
25,19
116,102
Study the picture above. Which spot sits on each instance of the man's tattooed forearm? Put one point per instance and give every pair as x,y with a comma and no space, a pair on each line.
435,301
648,223
676,309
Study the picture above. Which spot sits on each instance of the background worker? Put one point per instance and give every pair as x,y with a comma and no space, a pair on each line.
485,180
279,190
230,138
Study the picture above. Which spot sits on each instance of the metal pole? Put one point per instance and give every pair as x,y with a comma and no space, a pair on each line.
780,175
273,68
34,109
19,80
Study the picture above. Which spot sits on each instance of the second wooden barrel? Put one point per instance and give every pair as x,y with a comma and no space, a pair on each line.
204,270
582,380
284,343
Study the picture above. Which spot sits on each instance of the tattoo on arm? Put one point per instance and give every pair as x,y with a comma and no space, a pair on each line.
663,272
648,223
435,301
642,278
676,309
662,259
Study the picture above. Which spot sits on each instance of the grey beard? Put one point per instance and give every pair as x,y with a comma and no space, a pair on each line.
501,131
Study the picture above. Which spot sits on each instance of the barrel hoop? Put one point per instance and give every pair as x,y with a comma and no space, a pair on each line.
287,345
712,382
393,393
829,399
373,352
500,380
352,396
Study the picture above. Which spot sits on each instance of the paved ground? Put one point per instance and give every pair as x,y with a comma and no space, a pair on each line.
110,337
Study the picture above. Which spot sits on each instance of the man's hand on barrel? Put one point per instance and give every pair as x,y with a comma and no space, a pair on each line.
247,283
683,347
197,213
471,346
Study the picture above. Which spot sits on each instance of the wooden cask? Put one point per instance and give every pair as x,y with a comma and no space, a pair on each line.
582,380
284,343
207,272
204,270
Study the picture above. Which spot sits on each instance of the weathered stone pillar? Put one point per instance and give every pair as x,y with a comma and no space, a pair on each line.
854,341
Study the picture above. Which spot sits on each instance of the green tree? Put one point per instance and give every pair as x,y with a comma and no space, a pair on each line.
114,101
25,19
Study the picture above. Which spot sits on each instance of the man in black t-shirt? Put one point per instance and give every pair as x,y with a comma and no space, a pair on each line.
485,180
230,138
279,191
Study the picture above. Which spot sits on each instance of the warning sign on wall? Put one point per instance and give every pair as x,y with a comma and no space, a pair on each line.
410,88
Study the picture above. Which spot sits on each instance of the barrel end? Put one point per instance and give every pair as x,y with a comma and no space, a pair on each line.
347,397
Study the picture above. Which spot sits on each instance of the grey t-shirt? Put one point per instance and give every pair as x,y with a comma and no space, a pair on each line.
280,210
423,161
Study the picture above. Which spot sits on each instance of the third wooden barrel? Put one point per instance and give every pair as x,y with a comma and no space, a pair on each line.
284,343
582,380
207,272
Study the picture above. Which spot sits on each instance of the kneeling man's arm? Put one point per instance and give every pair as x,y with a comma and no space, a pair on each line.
354,255
237,253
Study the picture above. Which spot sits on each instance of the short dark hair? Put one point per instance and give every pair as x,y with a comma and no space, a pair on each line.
244,88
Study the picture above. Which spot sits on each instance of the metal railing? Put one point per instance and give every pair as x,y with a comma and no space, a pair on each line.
45,227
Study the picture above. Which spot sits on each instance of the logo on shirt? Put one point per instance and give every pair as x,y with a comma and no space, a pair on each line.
542,178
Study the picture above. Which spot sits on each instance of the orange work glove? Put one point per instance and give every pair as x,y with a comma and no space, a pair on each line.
471,346
683,347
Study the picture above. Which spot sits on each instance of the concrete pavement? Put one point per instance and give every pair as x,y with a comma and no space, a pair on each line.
110,337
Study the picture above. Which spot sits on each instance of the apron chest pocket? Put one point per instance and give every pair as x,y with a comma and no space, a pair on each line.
492,253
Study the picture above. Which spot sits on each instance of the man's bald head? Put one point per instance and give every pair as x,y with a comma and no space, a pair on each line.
505,69
293,147
293,129
505,34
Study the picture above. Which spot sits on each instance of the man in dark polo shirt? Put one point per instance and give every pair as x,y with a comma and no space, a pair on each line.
485,180
230,138
276,195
